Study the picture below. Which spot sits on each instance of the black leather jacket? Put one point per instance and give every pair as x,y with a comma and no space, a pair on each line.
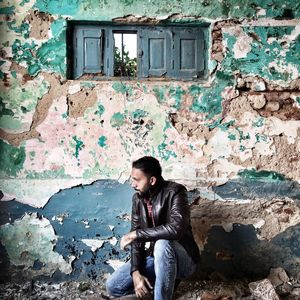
171,213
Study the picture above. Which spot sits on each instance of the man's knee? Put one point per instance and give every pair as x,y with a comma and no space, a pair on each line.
164,247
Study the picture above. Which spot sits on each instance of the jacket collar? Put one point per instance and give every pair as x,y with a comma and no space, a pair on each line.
157,188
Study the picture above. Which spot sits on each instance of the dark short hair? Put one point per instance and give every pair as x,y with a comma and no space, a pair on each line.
149,165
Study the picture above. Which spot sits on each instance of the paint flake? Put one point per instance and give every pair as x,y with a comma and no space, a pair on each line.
35,192
33,238
93,244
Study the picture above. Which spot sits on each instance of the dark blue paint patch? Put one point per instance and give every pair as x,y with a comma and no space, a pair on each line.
248,189
37,265
12,210
87,212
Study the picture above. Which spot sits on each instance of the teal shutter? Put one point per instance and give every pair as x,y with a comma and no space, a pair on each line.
188,54
88,50
154,52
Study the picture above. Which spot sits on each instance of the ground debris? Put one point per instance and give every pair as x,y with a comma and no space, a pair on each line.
74,290
263,290
193,289
212,290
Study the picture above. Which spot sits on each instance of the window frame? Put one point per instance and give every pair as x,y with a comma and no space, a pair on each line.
199,33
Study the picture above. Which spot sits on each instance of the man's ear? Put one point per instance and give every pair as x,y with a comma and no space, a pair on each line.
152,180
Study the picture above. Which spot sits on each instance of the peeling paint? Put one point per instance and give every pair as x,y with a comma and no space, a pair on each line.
36,239
232,135
286,211
94,244
20,101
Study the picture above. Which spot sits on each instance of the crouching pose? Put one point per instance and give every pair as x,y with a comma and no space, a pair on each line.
161,221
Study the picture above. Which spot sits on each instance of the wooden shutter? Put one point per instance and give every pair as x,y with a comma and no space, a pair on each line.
88,50
154,52
188,53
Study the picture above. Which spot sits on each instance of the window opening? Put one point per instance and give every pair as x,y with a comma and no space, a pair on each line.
125,54
105,51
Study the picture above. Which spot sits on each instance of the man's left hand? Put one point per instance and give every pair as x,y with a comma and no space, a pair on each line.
127,239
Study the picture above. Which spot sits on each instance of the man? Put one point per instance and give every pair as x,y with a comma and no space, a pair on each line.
161,216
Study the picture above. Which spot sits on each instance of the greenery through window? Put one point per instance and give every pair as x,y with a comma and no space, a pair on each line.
125,54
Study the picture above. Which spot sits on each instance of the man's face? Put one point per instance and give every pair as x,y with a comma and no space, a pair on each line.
141,182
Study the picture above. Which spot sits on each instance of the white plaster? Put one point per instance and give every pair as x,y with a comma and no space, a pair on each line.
218,146
36,192
298,147
294,34
60,218
75,88
245,154
113,241
178,171
243,42
228,227
225,169
270,22
259,86
242,46
22,11
93,244
275,126
8,51
281,67
265,148
261,12
5,67
260,223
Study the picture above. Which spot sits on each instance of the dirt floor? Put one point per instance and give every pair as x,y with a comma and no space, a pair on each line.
187,290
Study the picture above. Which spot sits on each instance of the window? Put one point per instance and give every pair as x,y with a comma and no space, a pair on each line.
175,52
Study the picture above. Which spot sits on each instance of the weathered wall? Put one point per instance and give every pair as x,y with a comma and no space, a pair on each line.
232,136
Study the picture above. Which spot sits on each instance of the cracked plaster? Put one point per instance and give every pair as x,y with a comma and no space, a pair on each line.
204,133
35,241
269,217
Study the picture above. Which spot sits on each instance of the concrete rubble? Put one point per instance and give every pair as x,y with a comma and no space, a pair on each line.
273,287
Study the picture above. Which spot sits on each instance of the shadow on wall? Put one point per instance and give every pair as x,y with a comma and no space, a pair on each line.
240,253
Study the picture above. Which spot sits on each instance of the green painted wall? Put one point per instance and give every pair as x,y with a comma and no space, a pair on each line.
237,125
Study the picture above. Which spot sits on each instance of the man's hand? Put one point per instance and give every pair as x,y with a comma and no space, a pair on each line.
127,239
141,284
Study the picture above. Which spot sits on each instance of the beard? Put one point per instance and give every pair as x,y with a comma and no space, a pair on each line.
145,193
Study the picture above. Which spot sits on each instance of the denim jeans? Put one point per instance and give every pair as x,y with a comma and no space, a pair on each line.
170,261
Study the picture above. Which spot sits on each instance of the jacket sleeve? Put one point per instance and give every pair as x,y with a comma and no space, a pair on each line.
176,224
137,247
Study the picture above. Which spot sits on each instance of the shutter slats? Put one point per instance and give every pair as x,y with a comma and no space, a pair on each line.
88,50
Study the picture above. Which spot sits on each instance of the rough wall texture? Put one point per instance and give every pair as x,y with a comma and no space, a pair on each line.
233,136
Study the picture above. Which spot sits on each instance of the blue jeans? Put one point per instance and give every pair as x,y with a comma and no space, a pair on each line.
169,262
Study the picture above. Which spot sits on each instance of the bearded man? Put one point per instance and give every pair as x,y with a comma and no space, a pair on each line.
160,217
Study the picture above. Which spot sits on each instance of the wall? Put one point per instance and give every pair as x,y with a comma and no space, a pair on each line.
232,138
